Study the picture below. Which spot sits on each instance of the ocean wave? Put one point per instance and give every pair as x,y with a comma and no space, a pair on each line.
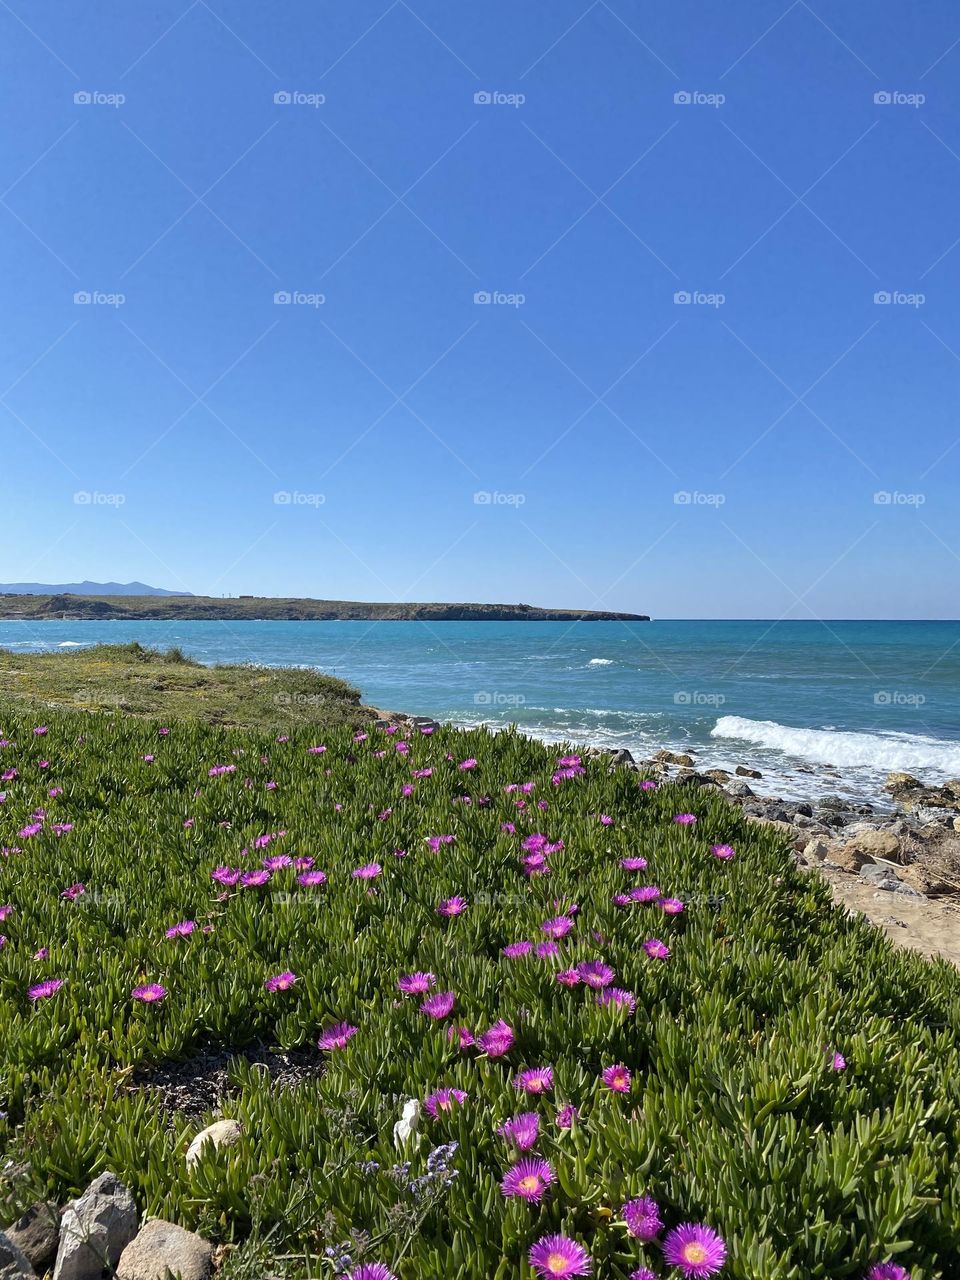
909,751
600,662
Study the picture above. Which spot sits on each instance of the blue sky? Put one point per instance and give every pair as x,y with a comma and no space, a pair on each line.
584,193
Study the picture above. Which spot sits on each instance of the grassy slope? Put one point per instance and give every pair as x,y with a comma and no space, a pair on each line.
139,681
734,1117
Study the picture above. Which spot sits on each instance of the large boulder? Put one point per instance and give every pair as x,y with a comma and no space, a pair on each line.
847,858
37,1233
744,771
162,1249
222,1133
901,782
14,1263
877,842
673,757
95,1230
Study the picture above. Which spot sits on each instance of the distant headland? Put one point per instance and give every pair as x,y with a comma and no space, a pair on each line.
187,608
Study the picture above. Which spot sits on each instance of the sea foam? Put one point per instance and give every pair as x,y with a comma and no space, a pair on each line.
907,751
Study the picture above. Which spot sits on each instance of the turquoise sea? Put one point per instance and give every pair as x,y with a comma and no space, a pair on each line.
785,697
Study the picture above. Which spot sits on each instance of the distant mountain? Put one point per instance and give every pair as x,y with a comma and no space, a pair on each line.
85,589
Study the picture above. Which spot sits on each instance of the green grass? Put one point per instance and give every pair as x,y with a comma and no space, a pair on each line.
734,1117
139,681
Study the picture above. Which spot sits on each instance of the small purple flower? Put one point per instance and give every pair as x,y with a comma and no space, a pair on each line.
444,1100
369,871
723,851
642,1217
149,993
416,984
336,1037
534,1080
182,929
311,879
454,906
522,1130
694,1249
439,1005
43,990
557,1257
280,981
617,1078
887,1271
528,1179
656,949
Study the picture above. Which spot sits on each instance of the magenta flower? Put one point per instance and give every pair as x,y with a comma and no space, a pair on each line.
416,984
656,949
43,990
528,1179
557,1257
281,981
634,864
40,730
254,879
617,1079
724,851
462,1035
149,993
182,929
42,954
618,997
568,977
642,1273
6,910
685,819
369,871
311,879
595,974
694,1249
566,1116
277,862
498,1040
839,1062
558,927
467,764
534,1080
453,906
646,893
642,1217
439,1005
671,906
73,892
371,1271
336,1037
887,1271
444,1100
522,1130
315,751
513,950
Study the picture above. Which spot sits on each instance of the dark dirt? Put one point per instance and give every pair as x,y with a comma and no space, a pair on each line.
200,1084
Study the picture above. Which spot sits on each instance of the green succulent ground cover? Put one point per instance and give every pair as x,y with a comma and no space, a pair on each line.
735,1116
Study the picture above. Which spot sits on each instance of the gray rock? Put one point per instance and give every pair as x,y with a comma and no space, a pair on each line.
741,790
163,1249
623,756
877,842
816,851
928,816
886,881
901,782
743,771
37,1233
673,757
14,1263
95,1230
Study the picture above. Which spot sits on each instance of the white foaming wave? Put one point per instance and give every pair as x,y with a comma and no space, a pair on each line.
71,644
908,751
600,662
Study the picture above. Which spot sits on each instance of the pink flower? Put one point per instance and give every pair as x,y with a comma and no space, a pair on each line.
723,851
498,1040
453,906
656,949
280,981
149,993
439,1005
617,1079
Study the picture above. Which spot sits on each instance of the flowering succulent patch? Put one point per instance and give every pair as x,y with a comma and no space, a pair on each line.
715,1073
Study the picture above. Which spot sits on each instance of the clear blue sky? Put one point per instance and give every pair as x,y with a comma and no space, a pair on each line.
594,195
